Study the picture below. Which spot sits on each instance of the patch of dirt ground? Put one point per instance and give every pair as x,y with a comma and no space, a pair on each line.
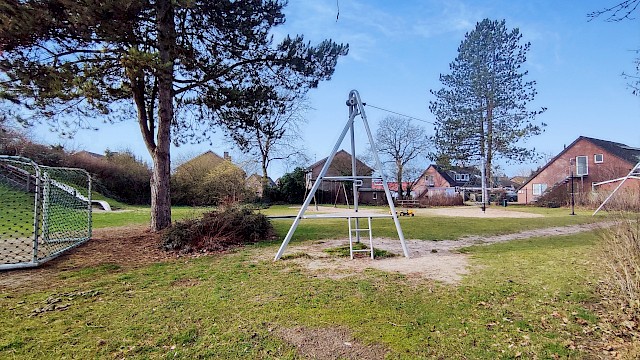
437,260
476,211
126,247
329,343
458,211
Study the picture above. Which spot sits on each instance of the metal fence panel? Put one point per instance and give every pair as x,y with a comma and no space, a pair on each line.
44,211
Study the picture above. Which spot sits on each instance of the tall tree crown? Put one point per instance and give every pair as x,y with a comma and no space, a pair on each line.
187,65
483,104
97,56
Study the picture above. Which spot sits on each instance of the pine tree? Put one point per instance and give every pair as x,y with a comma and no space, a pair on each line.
482,110
181,66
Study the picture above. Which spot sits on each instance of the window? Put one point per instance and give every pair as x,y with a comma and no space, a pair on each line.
462,177
598,158
538,189
375,196
431,181
582,168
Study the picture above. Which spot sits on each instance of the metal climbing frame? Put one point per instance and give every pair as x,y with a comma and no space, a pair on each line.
356,107
44,211
633,174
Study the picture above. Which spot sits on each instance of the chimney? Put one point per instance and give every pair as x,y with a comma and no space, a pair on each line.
226,156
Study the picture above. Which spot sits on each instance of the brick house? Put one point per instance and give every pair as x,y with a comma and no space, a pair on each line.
588,160
254,183
436,181
393,186
331,192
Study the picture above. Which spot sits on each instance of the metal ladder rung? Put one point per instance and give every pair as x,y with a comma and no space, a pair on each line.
358,231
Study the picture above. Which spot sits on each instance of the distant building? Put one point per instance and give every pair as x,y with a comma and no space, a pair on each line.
254,183
88,154
585,162
436,181
333,191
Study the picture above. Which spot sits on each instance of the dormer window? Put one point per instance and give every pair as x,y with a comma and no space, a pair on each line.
461,177
598,158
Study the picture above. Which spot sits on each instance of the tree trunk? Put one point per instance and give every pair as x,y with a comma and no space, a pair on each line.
399,179
489,141
160,191
483,162
265,178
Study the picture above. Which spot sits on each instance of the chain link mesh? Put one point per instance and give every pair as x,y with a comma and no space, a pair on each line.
44,211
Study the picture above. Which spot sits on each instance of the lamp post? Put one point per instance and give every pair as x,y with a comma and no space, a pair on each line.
573,201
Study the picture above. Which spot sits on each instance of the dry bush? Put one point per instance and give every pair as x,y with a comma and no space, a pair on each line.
620,283
117,175
441,200
621,258
625,199
207,181
218,231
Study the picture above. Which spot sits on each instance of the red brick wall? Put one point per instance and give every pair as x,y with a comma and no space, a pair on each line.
612,167
422,186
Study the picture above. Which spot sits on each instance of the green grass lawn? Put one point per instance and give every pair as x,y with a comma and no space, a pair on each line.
430,227
523,299
16,212
141,215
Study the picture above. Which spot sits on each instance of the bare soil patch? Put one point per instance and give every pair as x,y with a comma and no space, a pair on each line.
329,344
126,247
444,265
476,212
437,260
458,211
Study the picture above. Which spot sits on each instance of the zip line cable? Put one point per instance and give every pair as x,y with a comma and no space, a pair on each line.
397,113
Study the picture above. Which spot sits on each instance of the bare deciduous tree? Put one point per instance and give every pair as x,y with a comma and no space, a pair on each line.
619,12
400,142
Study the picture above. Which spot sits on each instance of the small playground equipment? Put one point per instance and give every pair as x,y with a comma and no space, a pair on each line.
405,212
354,217
44,211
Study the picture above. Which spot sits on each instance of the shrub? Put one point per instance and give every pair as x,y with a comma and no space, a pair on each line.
620,286
291,187
15,144
117,175
625,199
218,231
208,180
441,200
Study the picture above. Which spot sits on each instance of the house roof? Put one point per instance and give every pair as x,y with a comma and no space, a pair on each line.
393,185
207,156
627,153
89,154
359,163
624,152
442,173
207,159
258,178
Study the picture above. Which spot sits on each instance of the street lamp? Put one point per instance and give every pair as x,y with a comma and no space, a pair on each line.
573,200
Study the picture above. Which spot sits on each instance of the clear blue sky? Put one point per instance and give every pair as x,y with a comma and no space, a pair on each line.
399,48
